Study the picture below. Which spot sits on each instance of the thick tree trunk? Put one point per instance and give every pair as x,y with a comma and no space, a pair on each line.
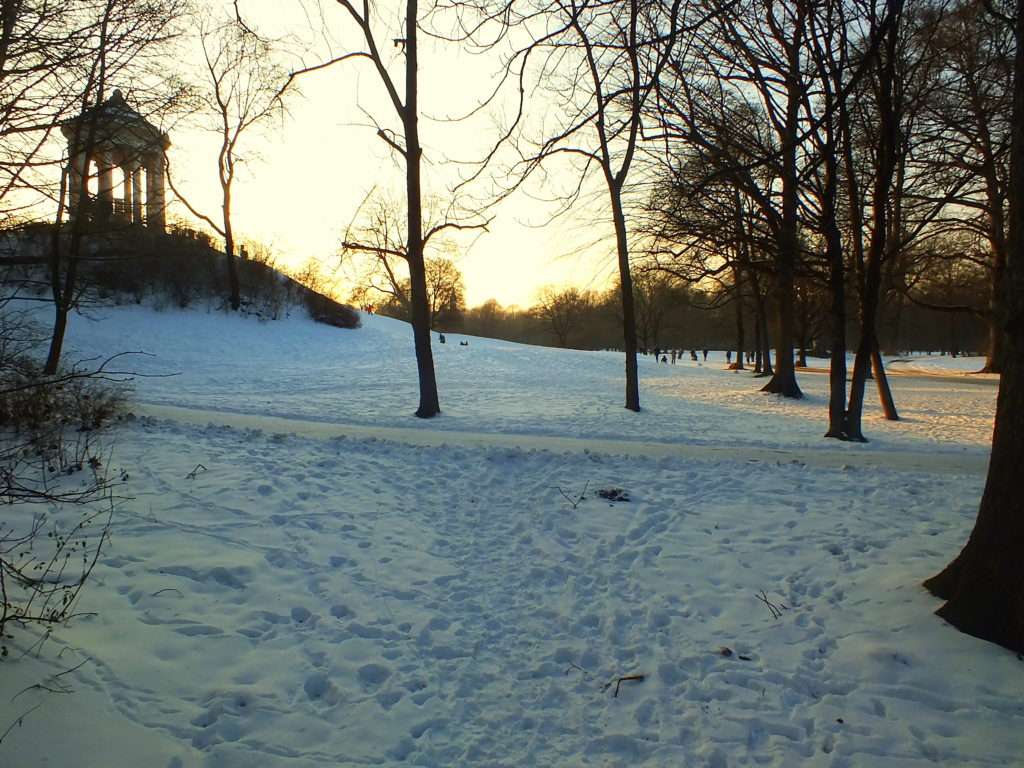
429,402
628,308
783,381
995,354
855,407
997,246
984,585
787,252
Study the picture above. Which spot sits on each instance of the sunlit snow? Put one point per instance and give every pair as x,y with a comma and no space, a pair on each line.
327,592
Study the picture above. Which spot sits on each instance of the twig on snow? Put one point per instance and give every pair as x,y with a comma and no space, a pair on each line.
17,722
167,589
624,679
49,684
574,502
195,471
776,610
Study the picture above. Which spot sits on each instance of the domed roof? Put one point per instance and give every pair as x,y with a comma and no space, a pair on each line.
116,125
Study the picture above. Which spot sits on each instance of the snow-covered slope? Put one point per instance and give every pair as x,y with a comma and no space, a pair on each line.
306,601
297,368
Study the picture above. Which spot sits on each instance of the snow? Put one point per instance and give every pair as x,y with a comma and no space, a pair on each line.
302,370
342,584
944,364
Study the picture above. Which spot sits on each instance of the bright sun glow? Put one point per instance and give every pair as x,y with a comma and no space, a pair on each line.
305,177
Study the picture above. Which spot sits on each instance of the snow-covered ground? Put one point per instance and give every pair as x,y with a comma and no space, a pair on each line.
307,371
319,595
943,364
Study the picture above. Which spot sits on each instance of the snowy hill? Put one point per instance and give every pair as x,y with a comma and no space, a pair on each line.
461,593
298,369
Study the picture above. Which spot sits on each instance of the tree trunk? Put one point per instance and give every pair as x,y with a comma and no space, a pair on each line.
984,585
783,381
997,245
766,348
803,328
766,342
994,354
63,291
855,407
837,291
60,320
872,278
234,292
741,343
628,309
60,324
429,403
787,251
882,383
757,343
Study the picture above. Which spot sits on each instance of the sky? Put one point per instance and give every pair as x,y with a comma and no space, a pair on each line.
305,176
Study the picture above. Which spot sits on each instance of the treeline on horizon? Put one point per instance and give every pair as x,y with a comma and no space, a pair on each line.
673,315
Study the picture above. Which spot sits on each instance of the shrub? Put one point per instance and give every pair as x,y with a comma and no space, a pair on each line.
55,522
325,310
53,531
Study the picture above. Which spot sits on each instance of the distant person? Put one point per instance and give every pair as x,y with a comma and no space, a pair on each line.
664,359
440,338
693,355
463,343
705,355
657,354
728,357
673,357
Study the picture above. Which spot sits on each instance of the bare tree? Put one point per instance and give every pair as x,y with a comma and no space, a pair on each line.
599,61
243,88
562,311
447,293
748,61
967,134
376,248
401,88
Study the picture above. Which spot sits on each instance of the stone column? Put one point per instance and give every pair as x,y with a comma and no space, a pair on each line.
105,188
104,207
77,168
127,190
136,192
155,218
